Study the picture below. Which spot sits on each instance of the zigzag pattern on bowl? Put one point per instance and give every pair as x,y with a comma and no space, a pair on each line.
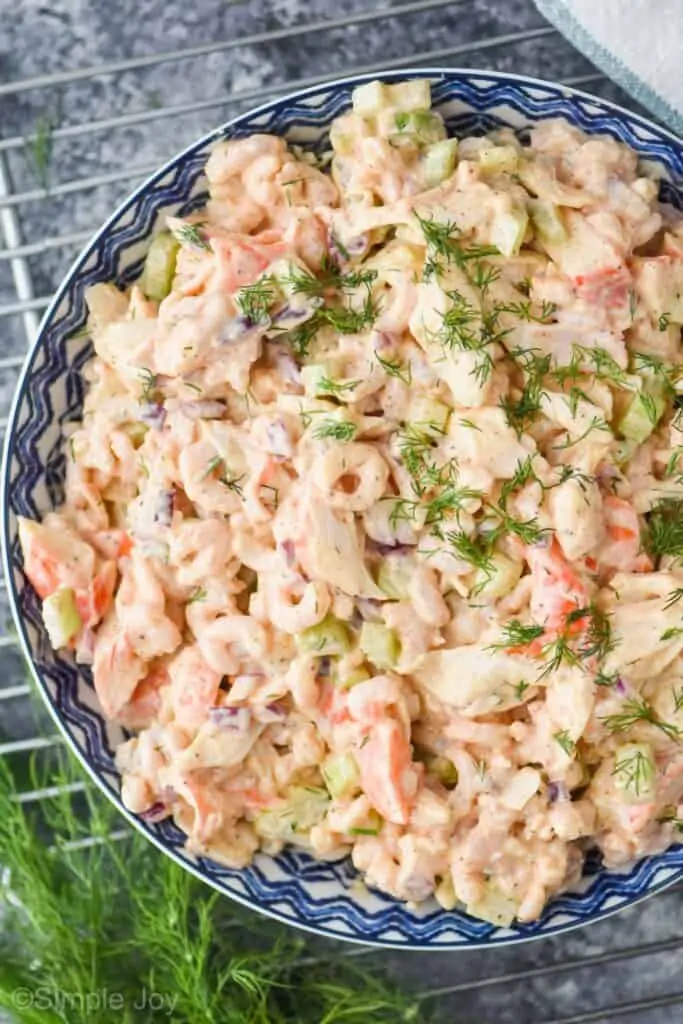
292,887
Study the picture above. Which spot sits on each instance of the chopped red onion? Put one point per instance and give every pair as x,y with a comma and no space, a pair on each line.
620,686
157,812
273,712
369,608
153,414
352,247
374,546
163,510
289,318
289,551
558,792
279,441
203,409
240,327
226,717
285,364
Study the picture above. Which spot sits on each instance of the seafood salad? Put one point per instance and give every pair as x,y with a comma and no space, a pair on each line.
373,525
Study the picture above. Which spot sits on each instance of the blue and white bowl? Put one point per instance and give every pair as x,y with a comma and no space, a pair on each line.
294,888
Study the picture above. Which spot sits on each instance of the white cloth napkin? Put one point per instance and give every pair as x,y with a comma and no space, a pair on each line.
638,43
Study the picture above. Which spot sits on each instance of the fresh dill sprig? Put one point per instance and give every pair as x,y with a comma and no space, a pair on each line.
80,918
524,310
474,550
565,741
663,321
444,245
199,594
149,383
189,234
336,387
255,300
673,597
329,277
637,710
521,412
664,535
635,772
517,634
335,430
395,368
39,149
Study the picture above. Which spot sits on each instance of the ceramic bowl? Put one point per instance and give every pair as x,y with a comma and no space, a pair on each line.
322,897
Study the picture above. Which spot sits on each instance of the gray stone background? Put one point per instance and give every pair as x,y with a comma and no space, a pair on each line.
533,984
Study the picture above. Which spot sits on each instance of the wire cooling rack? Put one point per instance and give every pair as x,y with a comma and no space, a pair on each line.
87,110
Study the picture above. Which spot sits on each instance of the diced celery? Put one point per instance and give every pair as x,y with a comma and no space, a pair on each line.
341,140
435,764
444,894
427,413
311,376
508,230
394,575
379,644
498,159
635,773
499,578
375,96
494,907
159,270
371,826
136,432
341,775
346,678
643,414
329,637
61,617
547,220
439,162
415,94
370,98
426,126
444,769
304,807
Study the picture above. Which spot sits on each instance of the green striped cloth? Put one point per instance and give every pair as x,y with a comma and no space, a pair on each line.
638,43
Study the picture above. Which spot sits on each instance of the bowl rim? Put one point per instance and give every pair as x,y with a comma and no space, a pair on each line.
215,135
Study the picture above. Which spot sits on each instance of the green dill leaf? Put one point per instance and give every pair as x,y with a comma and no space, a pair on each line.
635,771
190,235
664,321
516,634
520,689
254,301
565,741
199,594
664,534
149,383
394,368
636,710
336,387
212,465
335,430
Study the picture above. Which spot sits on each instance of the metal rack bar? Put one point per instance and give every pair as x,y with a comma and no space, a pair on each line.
66,188
578,964
621,1010
255,39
